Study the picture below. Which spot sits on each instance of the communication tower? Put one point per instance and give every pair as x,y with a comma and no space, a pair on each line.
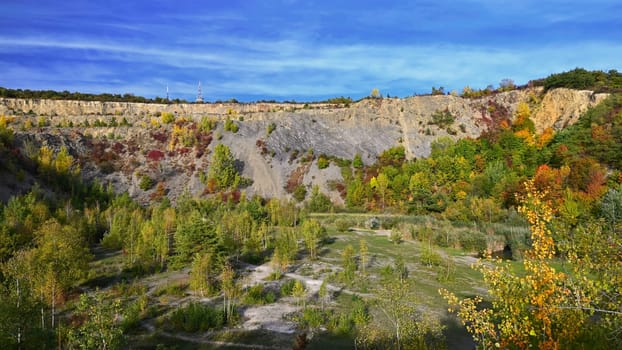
199,95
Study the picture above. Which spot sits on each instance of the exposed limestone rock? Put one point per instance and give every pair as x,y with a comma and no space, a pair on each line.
563,107
367,127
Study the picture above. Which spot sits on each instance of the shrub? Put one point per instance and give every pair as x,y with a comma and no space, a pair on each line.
207,124
442,118
288,287
431,257
319,202
473,241
257,295
323,162
396,236
167,118
270,128
175,289
42,122
197,317
357,162
155,155
146,183
300,193
342,225
230,125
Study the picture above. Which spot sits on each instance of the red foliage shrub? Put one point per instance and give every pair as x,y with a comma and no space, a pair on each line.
155,155
118,147
204,139
261,144
296,177
159,136
233,196
211,186
159,192
100,153
199,152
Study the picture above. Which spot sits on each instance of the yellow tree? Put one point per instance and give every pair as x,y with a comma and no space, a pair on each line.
312,233
380,184
63,161
363,256
230,289
202,273
529,310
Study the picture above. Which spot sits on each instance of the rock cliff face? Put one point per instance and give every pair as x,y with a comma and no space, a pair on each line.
367,127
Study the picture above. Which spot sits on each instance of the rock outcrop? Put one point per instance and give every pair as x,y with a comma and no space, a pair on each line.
367,127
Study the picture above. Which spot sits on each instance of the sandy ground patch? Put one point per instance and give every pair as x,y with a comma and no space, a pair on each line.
270,317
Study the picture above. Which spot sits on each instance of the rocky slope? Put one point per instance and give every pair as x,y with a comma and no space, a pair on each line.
122,155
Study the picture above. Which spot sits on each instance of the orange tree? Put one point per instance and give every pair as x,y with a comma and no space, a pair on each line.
534,308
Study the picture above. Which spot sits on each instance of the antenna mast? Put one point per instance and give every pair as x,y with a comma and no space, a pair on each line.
199,95
167,99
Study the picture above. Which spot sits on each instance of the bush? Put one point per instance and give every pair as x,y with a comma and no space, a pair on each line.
155,155
230,125
257,295
323,162
447,238
473,241
442,118
207,124
319,202
300,193
396,236
270,128
431,257
167,118
357,162
197,317
312,318
288,287
342,225
146,183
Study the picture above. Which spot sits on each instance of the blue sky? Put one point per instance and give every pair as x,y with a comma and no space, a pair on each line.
302,50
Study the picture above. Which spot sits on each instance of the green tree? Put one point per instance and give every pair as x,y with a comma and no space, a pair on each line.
313,233
231,291
299,292
194,235
355,193
58,262
319,202
363,256
380,184
101,328
285,249
20,312
403,326
203,272
348,264
323,293
222,168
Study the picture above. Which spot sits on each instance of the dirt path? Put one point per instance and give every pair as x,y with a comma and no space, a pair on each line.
197,339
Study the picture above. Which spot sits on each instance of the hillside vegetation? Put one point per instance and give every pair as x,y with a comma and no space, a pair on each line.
364,250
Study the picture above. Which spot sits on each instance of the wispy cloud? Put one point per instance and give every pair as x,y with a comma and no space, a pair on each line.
302,50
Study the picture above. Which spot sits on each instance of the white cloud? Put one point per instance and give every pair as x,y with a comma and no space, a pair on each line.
237,66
